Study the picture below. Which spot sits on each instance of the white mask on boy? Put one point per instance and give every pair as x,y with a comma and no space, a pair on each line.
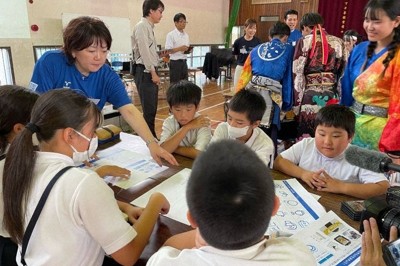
81,156
237,132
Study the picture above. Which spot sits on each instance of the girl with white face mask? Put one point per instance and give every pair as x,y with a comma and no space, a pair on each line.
91,223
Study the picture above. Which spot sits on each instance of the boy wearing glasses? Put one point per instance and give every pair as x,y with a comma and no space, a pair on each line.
177,42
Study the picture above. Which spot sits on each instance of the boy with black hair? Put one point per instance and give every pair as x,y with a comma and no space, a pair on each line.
246,109
185,132
268,70
231,198
320,161
291,19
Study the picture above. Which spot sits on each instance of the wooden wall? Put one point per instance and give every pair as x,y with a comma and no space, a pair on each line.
248,10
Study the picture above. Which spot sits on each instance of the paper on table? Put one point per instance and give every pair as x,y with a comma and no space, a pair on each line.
298,208
332,241
141,166
174,189
133,143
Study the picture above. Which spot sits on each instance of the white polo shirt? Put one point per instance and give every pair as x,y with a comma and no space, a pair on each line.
175,39
80,220
306,155
275,252
258,142
196,138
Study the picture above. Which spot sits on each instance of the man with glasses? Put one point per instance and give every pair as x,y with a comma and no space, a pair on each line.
146,59
177,42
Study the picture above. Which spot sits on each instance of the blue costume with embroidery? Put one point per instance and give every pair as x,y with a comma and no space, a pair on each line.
274,60
53,71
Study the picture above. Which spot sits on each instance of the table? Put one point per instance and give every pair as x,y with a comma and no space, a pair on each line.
166,227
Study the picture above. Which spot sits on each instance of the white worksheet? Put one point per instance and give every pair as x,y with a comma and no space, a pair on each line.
174,189
332,241
141,166
298,208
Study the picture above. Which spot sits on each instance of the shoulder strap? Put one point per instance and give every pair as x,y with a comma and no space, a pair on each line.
38,210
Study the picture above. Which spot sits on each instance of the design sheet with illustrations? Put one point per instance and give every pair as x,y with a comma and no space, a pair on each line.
332,241
298,208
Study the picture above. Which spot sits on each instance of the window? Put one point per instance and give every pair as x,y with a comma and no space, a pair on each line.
6,70
38,51
196,58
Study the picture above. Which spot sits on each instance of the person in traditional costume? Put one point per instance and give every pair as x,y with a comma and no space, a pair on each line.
268,70
318,64
371,83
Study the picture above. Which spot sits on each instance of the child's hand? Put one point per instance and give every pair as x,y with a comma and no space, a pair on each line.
327,183
310,178
199,122
133,213
113,170
160,200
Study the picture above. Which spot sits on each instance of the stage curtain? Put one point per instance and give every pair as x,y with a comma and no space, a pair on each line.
342,15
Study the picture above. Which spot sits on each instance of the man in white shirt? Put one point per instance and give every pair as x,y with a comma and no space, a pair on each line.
177,42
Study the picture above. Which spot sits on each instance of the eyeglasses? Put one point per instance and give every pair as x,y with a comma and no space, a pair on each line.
161,10
183,21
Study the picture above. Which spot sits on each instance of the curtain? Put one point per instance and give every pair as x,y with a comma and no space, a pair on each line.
342,15
232,20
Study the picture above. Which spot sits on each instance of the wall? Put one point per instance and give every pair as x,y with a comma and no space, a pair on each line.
248,10
207,23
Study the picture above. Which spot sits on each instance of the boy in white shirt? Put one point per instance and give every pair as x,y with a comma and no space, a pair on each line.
320,161
231,198
246,110
185,132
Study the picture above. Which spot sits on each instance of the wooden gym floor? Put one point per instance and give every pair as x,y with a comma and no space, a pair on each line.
211,104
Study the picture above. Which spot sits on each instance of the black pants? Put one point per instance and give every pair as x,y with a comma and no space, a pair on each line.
148,94
178,70
8,252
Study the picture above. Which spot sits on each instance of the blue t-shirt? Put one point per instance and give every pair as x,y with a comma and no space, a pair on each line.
294,36
52,71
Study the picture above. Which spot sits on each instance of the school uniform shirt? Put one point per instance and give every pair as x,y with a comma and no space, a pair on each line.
306,155
53,71
258,142
176,39
80,219
197,138
274,252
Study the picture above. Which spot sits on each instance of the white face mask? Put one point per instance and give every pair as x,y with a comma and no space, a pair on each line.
237,132
80,156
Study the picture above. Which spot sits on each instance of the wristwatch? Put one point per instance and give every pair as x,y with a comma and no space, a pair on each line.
150,141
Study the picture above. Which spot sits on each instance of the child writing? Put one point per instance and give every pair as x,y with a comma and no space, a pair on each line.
320,161
245,112
230,219
185,132
16,103
80,221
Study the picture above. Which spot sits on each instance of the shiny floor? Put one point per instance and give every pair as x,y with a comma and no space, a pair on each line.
211,104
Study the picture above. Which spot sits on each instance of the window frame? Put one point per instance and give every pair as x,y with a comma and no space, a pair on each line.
4,66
